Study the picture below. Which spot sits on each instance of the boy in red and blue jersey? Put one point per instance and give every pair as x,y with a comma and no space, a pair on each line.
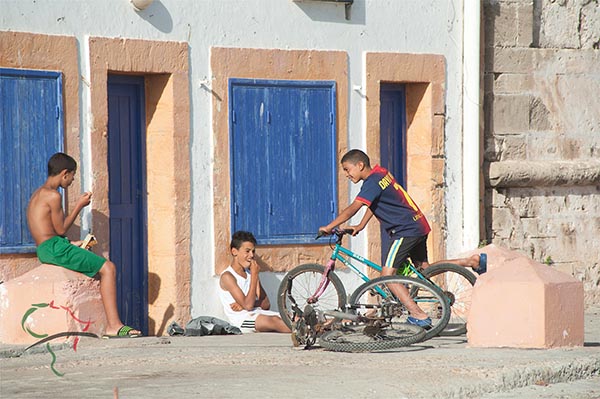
400,217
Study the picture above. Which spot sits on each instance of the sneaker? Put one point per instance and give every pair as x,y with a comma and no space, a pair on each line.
425,323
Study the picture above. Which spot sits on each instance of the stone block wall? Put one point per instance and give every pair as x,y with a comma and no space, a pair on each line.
542,132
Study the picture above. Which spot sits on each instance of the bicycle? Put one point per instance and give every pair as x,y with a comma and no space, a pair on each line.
442,291
349,332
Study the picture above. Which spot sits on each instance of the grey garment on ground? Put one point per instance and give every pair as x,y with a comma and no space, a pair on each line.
204,325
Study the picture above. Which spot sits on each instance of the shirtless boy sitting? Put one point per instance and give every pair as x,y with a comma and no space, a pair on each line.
48,225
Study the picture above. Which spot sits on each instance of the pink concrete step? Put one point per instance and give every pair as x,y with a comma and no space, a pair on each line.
521,303
57,299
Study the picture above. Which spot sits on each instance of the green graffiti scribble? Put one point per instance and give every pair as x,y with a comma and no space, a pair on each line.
27,314
55,371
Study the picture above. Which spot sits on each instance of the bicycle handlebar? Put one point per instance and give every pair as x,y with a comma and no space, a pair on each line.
336,230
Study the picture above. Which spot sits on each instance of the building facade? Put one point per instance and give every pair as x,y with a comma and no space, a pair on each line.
191,119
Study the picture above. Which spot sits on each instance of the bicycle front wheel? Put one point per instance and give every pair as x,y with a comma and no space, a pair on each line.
380,297
301,283
363,339
456,283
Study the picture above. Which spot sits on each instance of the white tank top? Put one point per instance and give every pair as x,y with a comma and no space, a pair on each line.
227,298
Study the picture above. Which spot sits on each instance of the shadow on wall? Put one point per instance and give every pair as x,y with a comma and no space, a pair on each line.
270,282
100,224
331,12
158,16
153,290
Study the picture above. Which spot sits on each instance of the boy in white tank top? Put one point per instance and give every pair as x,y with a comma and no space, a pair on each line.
245,302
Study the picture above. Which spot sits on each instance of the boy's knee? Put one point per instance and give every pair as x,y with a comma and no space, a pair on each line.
108,268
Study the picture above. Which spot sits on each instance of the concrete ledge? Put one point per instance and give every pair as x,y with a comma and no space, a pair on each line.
543,174
57,299
524,304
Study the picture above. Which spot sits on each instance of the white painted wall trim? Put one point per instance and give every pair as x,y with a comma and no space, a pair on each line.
471,107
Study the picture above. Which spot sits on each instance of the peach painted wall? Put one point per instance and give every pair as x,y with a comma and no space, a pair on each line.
424,78
49,53
165,67
270,64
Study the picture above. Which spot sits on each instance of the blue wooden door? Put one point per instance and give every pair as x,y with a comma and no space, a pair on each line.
127,196
392,141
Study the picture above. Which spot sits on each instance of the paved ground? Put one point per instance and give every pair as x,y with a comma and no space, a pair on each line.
266,366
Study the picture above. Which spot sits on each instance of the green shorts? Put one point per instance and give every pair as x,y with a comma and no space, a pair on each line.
59,251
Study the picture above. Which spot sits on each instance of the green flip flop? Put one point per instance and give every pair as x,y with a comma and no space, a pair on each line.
124,332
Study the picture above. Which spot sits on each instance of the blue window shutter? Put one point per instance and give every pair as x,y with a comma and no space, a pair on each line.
283,158
30,132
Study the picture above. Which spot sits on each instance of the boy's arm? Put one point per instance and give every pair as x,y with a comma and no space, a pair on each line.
60,222
229,283
343,216
365,219
263,300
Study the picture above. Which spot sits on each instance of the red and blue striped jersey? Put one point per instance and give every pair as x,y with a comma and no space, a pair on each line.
392,205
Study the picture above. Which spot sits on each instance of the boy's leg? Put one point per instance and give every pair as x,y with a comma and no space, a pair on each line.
266,323
400,250
108,290
474,261
402,293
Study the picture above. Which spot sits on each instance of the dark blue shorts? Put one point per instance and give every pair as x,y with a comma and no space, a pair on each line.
402,248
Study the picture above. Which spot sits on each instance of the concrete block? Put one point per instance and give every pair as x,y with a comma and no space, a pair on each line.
514,147
503,17
559,25
521,303
511,113
66,301
525,24
590,26
511,60
513,83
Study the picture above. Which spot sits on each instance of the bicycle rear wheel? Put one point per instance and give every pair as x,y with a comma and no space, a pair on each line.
360,339
300,283
376,298
456,282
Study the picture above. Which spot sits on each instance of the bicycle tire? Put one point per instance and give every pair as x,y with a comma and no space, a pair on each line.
457,284
366,299
304,281
355,340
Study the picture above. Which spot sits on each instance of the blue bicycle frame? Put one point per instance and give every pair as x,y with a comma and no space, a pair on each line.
338,254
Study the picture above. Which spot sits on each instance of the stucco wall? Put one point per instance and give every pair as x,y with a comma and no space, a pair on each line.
542,133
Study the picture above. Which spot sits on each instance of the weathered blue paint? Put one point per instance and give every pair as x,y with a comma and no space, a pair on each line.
127,196
283,158
31,131
392,140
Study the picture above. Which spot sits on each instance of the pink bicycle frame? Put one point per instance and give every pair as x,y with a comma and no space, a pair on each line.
329,267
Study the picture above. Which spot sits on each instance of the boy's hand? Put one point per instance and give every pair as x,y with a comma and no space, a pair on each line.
355,229
236,307
324,230
85,199
254,268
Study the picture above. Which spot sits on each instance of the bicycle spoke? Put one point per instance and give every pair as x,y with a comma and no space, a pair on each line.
377,298
304,281
457,284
